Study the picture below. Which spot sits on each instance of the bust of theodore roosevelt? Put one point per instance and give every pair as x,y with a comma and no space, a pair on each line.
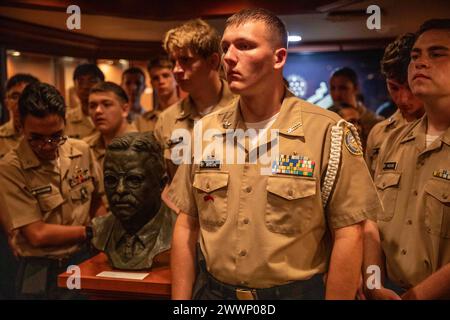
140,226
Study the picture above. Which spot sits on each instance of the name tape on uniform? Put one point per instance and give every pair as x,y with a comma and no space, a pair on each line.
41,190
210,163
389,165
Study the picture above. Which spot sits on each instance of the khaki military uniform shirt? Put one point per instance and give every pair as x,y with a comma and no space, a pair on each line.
414,184
182,115
32,190
78,125
147,121
9,139
368,120
262,230
377,135
97,144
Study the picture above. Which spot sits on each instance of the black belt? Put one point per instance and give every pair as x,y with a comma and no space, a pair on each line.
303,289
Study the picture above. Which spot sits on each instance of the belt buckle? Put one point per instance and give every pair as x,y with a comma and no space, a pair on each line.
244,294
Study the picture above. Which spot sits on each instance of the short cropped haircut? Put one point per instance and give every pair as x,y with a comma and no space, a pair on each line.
348,73
20,78
88,69
434,24
272,22
141,142
396,58
108,86
40,100
160,62
133,70
196,35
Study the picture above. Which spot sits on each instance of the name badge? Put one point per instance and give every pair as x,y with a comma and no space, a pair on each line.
41,190
210,164
389,165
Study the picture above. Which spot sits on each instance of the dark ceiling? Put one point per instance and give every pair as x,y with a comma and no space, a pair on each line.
178,10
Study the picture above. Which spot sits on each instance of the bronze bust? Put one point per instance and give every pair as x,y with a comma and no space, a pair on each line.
140,226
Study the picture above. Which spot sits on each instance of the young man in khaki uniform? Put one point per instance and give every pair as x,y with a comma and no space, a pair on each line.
394,66
166,92
10,132
108,109
78,123
195,49
344,88
262,228
133,82
413,181
49,193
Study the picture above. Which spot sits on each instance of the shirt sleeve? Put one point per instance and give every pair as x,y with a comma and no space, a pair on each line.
181,190
18,206
354,197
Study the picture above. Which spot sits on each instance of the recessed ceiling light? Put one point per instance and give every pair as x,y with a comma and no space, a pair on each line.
294,38
15,53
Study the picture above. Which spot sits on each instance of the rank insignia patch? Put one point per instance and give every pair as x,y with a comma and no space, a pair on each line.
41,190
389,165
351,144
293,165
442,173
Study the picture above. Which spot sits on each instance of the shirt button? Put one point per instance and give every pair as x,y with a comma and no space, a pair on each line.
246,220
415,192
403,252
290,193
384,184
427,264
248,189
243,253
445,196
207,186
409,222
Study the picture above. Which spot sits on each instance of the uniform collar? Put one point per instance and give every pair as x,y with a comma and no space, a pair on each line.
419,131
151,114
395,119
419,128
289,121
8,130
187,108
29,160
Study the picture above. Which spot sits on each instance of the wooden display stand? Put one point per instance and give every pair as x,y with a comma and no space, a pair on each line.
156,285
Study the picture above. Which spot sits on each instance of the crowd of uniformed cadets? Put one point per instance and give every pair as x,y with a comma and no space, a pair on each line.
339,200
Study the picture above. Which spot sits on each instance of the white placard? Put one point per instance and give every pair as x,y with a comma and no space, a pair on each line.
122,275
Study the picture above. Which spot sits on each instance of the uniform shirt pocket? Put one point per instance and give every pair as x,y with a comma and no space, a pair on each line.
388,188
290,203
437,207
210,189
49,202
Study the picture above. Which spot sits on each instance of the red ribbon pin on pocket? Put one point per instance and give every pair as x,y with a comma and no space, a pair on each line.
208,197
